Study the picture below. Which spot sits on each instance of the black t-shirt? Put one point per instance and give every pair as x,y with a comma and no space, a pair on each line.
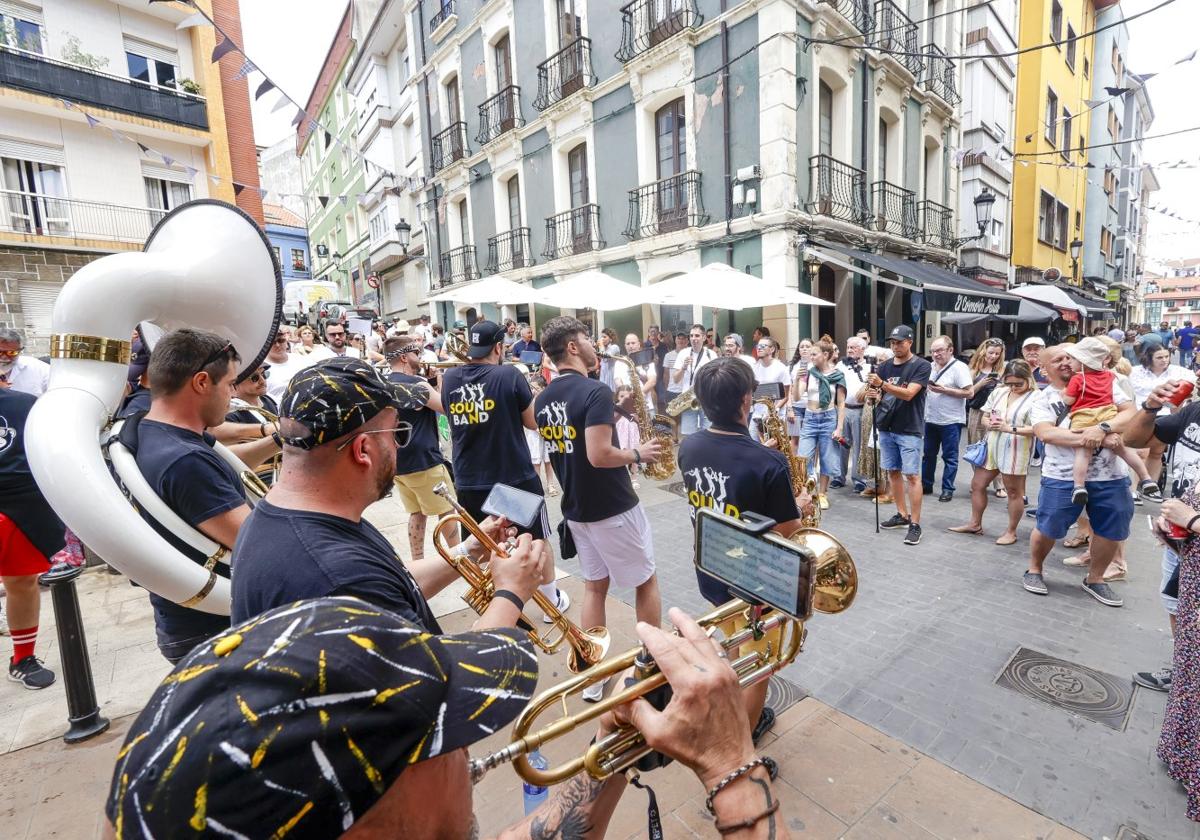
484,404
909,417
422,451
571,404
733,474
249,415
195,482
20,499
285,555
138,402
1181,432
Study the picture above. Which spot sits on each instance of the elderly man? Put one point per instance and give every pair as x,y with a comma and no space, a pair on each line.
1109,504
647,371
1031,351
945,415
855,370
20,372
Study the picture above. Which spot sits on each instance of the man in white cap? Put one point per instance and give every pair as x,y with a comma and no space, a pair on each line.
1031,351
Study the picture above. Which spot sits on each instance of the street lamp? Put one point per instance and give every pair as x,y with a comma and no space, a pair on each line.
983,209
1076,246
404,233
812,265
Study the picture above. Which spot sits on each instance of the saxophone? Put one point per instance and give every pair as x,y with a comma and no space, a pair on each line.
664,467
802,483
685,401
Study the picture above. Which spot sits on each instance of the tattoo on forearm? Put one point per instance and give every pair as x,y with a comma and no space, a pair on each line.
569,816
766,789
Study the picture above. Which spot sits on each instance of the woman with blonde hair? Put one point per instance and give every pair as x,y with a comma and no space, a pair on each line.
824,398
307,342
987,366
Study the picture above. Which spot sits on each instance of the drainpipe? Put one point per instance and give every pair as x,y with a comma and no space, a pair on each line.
437,230
726,120
872,304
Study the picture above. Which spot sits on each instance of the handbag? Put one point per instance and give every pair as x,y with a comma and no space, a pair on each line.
976,454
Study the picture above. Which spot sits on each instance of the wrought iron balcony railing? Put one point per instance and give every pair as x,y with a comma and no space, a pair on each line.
567,71
457,265
670,204
858,12
895,210
647,23
36,214
499,114
443,14
938,78
838,190
937,223
450,145
39,74
895,30
575,231
509,250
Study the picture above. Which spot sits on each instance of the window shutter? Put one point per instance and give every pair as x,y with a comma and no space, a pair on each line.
37,152
37,303
21,11
152,170
154,51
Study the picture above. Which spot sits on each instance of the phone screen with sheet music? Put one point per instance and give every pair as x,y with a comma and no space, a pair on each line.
766,567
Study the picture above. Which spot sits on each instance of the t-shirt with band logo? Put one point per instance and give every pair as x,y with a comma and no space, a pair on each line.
422,451
1181,431
484,405
564,411
731,473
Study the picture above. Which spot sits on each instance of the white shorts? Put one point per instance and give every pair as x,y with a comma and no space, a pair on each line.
537,446
619,548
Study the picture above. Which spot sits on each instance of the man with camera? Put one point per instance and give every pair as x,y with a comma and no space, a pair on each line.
687,364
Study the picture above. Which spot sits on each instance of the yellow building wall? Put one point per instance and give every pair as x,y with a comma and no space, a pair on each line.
1037,73
208,75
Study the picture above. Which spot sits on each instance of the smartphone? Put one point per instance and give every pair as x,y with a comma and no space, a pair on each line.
760,566
769,390
519,507
643,357
533,358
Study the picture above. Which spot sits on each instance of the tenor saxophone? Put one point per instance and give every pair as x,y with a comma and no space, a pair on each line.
685,401
802,483
664,467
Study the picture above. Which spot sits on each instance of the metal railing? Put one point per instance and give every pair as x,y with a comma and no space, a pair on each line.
443,14
39,74
858,12
509,250
457,266
938,78
575,231
937,223
450,145
838,190
895,210
647,23
669,204
562,74
42,215
895,30
499,114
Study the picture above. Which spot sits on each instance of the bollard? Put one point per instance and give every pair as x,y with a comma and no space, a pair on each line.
83,713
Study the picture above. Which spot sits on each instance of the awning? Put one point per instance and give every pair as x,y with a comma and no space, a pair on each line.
1029,313
1055,296
942,290
1095,308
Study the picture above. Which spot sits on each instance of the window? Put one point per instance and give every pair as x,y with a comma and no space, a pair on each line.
163,195
453,115
513,189
298,261
1114,126
1078,220
21,32
1060,227
29,210
825,120
1086,67
151,71
1046,218
278,257
670,140
578,177
503,54
883,149
1082,147
1071,47
464,223
1052,117
570,25
1066,146
1056,21
1170,304
378,224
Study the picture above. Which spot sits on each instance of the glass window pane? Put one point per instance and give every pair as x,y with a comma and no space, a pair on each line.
165,73
139,67
180,193
29,36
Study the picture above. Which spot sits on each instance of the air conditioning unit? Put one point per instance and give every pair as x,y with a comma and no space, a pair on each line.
749,173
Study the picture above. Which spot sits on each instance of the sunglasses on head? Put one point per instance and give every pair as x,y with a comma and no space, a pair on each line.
223,352
993,342
402,435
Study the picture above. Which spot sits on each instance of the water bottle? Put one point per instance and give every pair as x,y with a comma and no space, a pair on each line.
535,795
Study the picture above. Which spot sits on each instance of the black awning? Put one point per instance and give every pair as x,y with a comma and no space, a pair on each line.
1096,308
942,290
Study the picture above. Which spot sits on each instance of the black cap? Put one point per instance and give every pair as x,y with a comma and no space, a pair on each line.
483,336
139,360
301,718
901,332
334,397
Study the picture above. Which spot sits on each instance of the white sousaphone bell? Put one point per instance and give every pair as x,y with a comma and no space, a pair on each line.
206,265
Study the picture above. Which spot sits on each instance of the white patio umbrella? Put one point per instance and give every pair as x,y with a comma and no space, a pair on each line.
496,289
718,286
591,290
1052,295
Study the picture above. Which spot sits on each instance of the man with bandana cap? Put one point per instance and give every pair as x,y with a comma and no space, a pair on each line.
308,538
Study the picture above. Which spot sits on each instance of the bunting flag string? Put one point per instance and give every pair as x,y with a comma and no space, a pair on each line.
267,85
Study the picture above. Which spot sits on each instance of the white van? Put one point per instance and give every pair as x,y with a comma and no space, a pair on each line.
298,295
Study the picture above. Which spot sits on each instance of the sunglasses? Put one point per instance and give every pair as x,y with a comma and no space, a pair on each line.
223,352
1016,383
260,377
10,354
402,433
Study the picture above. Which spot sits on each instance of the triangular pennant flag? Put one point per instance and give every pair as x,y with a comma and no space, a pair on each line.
282,103
145,149
266,85
296,120
1116,91
262,194
192,20
1187,57
245,70
328,137
70,106
324,199
342,199
216,179
312,125
237,188
1094,103
167,159
192,172
91,121
222,49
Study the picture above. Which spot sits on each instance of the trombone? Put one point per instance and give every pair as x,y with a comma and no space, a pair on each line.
587,647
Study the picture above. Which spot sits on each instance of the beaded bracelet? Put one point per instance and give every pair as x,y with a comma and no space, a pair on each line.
1192,521
732,777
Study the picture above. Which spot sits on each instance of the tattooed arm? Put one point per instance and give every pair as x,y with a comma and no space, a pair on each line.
577,809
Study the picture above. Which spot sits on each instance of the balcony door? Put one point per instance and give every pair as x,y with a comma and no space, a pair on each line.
571,63
30,190
670,124
581,219
506,105
163,196
665,18
453,114
569,24
516,240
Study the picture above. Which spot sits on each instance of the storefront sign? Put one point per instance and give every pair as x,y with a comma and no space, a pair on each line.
1112,295
937,300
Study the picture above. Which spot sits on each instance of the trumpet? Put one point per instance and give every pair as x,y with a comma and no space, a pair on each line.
252,481
587,647
767,641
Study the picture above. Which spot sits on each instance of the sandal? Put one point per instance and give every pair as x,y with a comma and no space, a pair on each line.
1001,541
1077,541
1001,493
966,529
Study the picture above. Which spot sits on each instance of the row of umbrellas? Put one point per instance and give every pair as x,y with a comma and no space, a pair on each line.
715,285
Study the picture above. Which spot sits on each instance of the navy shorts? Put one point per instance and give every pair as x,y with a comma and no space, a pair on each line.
1109,508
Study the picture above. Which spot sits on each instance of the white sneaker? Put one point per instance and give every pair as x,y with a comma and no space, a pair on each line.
563,604
594,693
3,626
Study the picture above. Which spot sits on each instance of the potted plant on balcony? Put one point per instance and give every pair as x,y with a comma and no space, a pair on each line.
189,86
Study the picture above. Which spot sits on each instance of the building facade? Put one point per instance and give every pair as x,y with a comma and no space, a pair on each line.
1172,293
279,174
73,192
289,241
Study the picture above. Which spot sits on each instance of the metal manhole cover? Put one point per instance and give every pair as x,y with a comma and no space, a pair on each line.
1127,832
1092,694
678,488
782,694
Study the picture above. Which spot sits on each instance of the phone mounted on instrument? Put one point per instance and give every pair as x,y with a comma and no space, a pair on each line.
520,507
770,391
642,357
533,358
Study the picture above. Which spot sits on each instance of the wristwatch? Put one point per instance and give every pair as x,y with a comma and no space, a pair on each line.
1104,427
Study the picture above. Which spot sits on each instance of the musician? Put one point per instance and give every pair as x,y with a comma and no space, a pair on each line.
191,374
137,391
308,538
419,466
250,401
605,517
489,405
687,363
768,370
646,372
724,469
855,370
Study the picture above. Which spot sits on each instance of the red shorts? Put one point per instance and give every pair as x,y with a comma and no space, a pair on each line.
18,557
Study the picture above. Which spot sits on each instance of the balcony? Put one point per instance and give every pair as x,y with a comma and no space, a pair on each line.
647,23
457,266
450,145
939,75
567,71
33,214
837,190
895,210
670,204
937,223
500,114
443,14
894,30
576,231
299,274
509,250
38,74
857,12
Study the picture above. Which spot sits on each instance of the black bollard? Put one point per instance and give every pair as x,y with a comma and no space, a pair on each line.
83,713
